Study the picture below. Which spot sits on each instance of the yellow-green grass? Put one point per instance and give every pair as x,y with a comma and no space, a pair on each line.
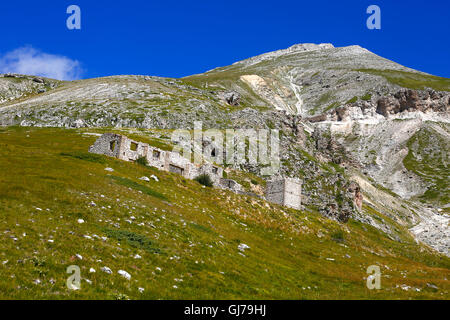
427,157
411,80
190,232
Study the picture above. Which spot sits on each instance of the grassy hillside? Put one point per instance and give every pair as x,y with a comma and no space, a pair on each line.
428,157
411,80
186,236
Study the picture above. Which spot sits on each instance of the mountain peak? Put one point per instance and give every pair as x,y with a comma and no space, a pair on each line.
309,47
296,48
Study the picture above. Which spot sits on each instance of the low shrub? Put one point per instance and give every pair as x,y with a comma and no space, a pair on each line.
92,157
142,161
204,179
338,236
133,239
134,185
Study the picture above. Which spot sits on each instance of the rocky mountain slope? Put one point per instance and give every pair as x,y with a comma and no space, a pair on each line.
13,86
303,80
354,126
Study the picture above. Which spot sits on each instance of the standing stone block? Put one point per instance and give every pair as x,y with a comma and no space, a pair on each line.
285,191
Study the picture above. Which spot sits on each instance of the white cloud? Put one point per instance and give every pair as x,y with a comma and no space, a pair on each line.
27,60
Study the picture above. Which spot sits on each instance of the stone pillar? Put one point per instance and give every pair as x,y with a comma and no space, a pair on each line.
123,148
285,191
292,193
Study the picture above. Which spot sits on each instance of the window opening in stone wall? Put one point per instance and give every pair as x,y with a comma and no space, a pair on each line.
133,146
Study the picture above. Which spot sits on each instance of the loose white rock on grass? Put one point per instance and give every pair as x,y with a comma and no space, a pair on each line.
124,274
242,247
106,270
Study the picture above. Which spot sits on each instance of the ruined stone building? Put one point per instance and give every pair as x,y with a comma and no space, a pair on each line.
121,147
283,191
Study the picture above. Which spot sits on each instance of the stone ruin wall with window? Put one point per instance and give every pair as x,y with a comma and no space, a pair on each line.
283,191
124,148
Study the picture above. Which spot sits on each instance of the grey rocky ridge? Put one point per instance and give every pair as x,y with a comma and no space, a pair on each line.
358,130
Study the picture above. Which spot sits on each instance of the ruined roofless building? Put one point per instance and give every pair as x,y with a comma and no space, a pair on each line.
282,191
285,191
121,147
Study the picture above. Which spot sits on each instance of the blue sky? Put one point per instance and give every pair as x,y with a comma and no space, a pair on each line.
179,38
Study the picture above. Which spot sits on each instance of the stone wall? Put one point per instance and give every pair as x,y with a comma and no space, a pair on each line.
124,148
108,144
275,191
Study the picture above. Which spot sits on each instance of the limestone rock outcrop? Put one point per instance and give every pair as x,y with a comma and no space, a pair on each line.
230,97
414,100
